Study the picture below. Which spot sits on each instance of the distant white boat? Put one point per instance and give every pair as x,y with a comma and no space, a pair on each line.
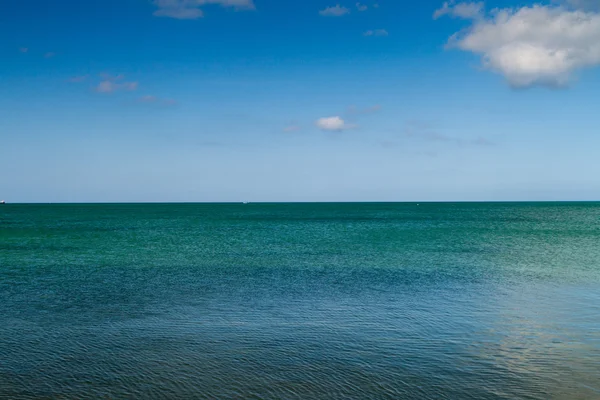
2,202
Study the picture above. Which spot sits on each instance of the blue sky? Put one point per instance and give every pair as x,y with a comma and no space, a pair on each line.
315,100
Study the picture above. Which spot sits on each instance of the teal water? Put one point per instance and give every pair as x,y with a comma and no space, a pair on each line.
300,301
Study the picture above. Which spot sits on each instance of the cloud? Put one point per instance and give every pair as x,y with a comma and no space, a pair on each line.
361,7
333,124
111,86
23,50
148,99
49,54
376,32
191,9
335,11
537,45
461,10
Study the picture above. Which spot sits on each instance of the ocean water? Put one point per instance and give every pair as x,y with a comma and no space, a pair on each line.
300,301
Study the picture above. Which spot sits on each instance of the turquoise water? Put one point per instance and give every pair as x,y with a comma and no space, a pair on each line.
300,301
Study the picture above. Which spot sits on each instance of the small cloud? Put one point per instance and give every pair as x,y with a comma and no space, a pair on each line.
461,10
78,79
106,87
23,50
376,5
291,128
148,99
333,124
130,85
169,102
49,54
110,86
361,7
335,11
376,32
190,9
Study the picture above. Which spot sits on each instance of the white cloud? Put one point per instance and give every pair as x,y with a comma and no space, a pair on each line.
537,45
333,124
191,9
49,54
335,11
361,7
23,50
461,10
376,32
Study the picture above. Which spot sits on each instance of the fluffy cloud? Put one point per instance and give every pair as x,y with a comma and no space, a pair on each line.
537,45
191,9
376,32
333,124
335,11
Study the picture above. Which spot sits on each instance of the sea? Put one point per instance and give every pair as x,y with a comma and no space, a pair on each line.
300,301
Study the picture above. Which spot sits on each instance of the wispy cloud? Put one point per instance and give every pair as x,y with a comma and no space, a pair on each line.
149,99
361,7
376,32
49,54
335,11
112,84
23,50
192,9
536,45
336,124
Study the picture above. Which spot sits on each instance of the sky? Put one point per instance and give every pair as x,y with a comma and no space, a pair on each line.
299,100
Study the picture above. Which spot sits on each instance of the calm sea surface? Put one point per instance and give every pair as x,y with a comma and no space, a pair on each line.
300,301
